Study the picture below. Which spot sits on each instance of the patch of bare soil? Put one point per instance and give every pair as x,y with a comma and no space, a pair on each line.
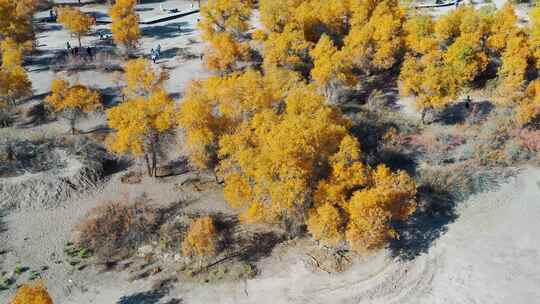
44,174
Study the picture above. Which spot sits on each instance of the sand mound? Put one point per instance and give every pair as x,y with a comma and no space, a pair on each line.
50,174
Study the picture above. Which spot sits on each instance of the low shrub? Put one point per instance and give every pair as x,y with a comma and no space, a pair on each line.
132,177
117,226
32,294
36,114
201,239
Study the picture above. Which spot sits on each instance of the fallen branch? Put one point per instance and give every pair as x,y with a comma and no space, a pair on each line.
205,268
317,263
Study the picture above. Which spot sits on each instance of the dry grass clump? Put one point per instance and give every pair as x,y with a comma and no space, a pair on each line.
117,226
20,157
456,182
103,60
496,141
132,177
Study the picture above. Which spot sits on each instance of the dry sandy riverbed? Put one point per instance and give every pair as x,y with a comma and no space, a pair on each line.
490,254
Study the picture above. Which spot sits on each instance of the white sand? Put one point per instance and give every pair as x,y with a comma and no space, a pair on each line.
490,254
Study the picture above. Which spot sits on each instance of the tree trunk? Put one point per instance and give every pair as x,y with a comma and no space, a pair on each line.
154,163
72,122
148,164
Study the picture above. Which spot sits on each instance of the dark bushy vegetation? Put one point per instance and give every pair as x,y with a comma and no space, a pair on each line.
117,227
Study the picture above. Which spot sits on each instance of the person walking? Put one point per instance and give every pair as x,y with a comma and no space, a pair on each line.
68,46
89,53
468,102
153,55
158,50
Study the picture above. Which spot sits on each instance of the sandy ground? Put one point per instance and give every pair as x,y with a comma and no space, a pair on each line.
489,254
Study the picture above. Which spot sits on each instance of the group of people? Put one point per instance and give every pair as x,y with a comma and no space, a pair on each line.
75,51
155,54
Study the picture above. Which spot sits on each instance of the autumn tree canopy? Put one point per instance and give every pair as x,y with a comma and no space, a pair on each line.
285,155
141,124
14,81
125,23
223,25
268,127
72,101
141,78
201,238
273,138
32,294
75,21
16,21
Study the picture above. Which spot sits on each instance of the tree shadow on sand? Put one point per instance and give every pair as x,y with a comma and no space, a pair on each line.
146,297
170,30
459,112
436,210
3,226
441,191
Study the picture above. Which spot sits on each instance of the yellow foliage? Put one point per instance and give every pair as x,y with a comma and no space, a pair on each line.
12,53
256,213
444,58
14,82
326,224
225,15
237,190
287,48
534,41
32,294
201,238
139,122
515,62
142,78
72,100
420,34
217,105
16,20
528,108
125,23
368,228
428,78
391,197
282,151
503,26
348,172
375,42
223,24
65,97
276,14
279,153
275,135
330,65
224,52
466,58
75,21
